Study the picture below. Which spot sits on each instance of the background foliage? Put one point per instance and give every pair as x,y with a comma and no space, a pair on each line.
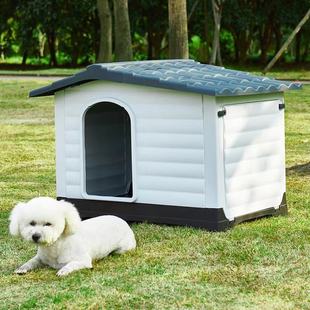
66,32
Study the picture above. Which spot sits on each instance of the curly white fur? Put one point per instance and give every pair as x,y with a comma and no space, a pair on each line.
64,241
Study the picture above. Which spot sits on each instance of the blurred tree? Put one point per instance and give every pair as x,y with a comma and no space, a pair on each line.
70,32
178,33
238,18
78,29
8,10
50,20
122,36
150,19
105,18
217,6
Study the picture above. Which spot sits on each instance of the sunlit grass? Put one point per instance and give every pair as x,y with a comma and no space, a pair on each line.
263,264
302,73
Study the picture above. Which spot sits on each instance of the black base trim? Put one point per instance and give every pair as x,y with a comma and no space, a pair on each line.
207,218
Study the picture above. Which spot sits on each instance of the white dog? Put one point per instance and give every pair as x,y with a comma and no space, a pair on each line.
64,241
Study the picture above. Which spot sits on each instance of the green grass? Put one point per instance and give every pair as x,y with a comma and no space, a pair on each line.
263,264
40,72
279,72
288,72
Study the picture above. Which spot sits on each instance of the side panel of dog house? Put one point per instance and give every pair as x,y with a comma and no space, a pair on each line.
167,142
61,156
213,144
253,153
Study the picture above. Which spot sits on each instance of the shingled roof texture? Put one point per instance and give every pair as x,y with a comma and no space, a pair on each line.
183,75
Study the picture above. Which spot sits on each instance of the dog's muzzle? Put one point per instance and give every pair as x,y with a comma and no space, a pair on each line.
36,237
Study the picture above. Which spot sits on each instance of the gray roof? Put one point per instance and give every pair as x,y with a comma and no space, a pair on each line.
183,75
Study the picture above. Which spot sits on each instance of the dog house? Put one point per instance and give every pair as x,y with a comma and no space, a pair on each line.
174,142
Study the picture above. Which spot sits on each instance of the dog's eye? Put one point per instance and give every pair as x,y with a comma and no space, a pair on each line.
33,223
47,224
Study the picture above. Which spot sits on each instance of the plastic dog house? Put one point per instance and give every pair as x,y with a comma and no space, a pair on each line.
174,142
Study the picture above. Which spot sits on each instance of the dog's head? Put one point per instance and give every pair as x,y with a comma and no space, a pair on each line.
43,220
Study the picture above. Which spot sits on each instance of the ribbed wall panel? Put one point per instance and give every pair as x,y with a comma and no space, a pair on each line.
73,164
256,109
170,151
253,156
234,155
168,144
252,166
253,194
253,123
172,184
170,107
182,170
72,136
246,138
170,198
72,150
73,190
170,155
72,122
172,126
242,182
73,177
164,140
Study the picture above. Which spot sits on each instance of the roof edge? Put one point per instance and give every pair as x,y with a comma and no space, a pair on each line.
205,79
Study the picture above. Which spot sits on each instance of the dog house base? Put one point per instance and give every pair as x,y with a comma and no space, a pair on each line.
206,218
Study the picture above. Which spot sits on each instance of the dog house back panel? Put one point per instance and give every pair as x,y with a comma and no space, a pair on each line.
253,153
254,156
167,142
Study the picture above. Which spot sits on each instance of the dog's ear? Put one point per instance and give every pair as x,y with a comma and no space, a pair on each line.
14,219
72,217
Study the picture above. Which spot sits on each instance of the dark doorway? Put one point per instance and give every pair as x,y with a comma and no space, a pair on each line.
108,158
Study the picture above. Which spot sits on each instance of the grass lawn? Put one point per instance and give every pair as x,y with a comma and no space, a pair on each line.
287,72
263,264
42,72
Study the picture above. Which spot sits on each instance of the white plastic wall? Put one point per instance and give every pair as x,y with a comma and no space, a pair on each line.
167,142
253,155
182,153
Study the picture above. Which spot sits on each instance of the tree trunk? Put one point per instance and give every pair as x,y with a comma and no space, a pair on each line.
123,47
51,40
205,32
25,56
150,38
297,47
105,19
154,44
306,50
287,42
237,47
178,33
217,13
265,40
244,46
278,37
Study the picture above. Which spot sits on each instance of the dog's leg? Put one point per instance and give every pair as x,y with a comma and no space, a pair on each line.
32,264
73,266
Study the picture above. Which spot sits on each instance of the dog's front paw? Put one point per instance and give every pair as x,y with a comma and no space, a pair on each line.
64,271
21,270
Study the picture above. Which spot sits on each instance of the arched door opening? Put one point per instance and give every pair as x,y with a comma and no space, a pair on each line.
108,158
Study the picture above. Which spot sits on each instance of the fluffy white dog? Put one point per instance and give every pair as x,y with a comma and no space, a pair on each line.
64,241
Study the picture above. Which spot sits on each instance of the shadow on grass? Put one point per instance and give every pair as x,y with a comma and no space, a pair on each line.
302,170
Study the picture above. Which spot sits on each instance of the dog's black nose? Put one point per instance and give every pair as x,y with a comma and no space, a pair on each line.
36,237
